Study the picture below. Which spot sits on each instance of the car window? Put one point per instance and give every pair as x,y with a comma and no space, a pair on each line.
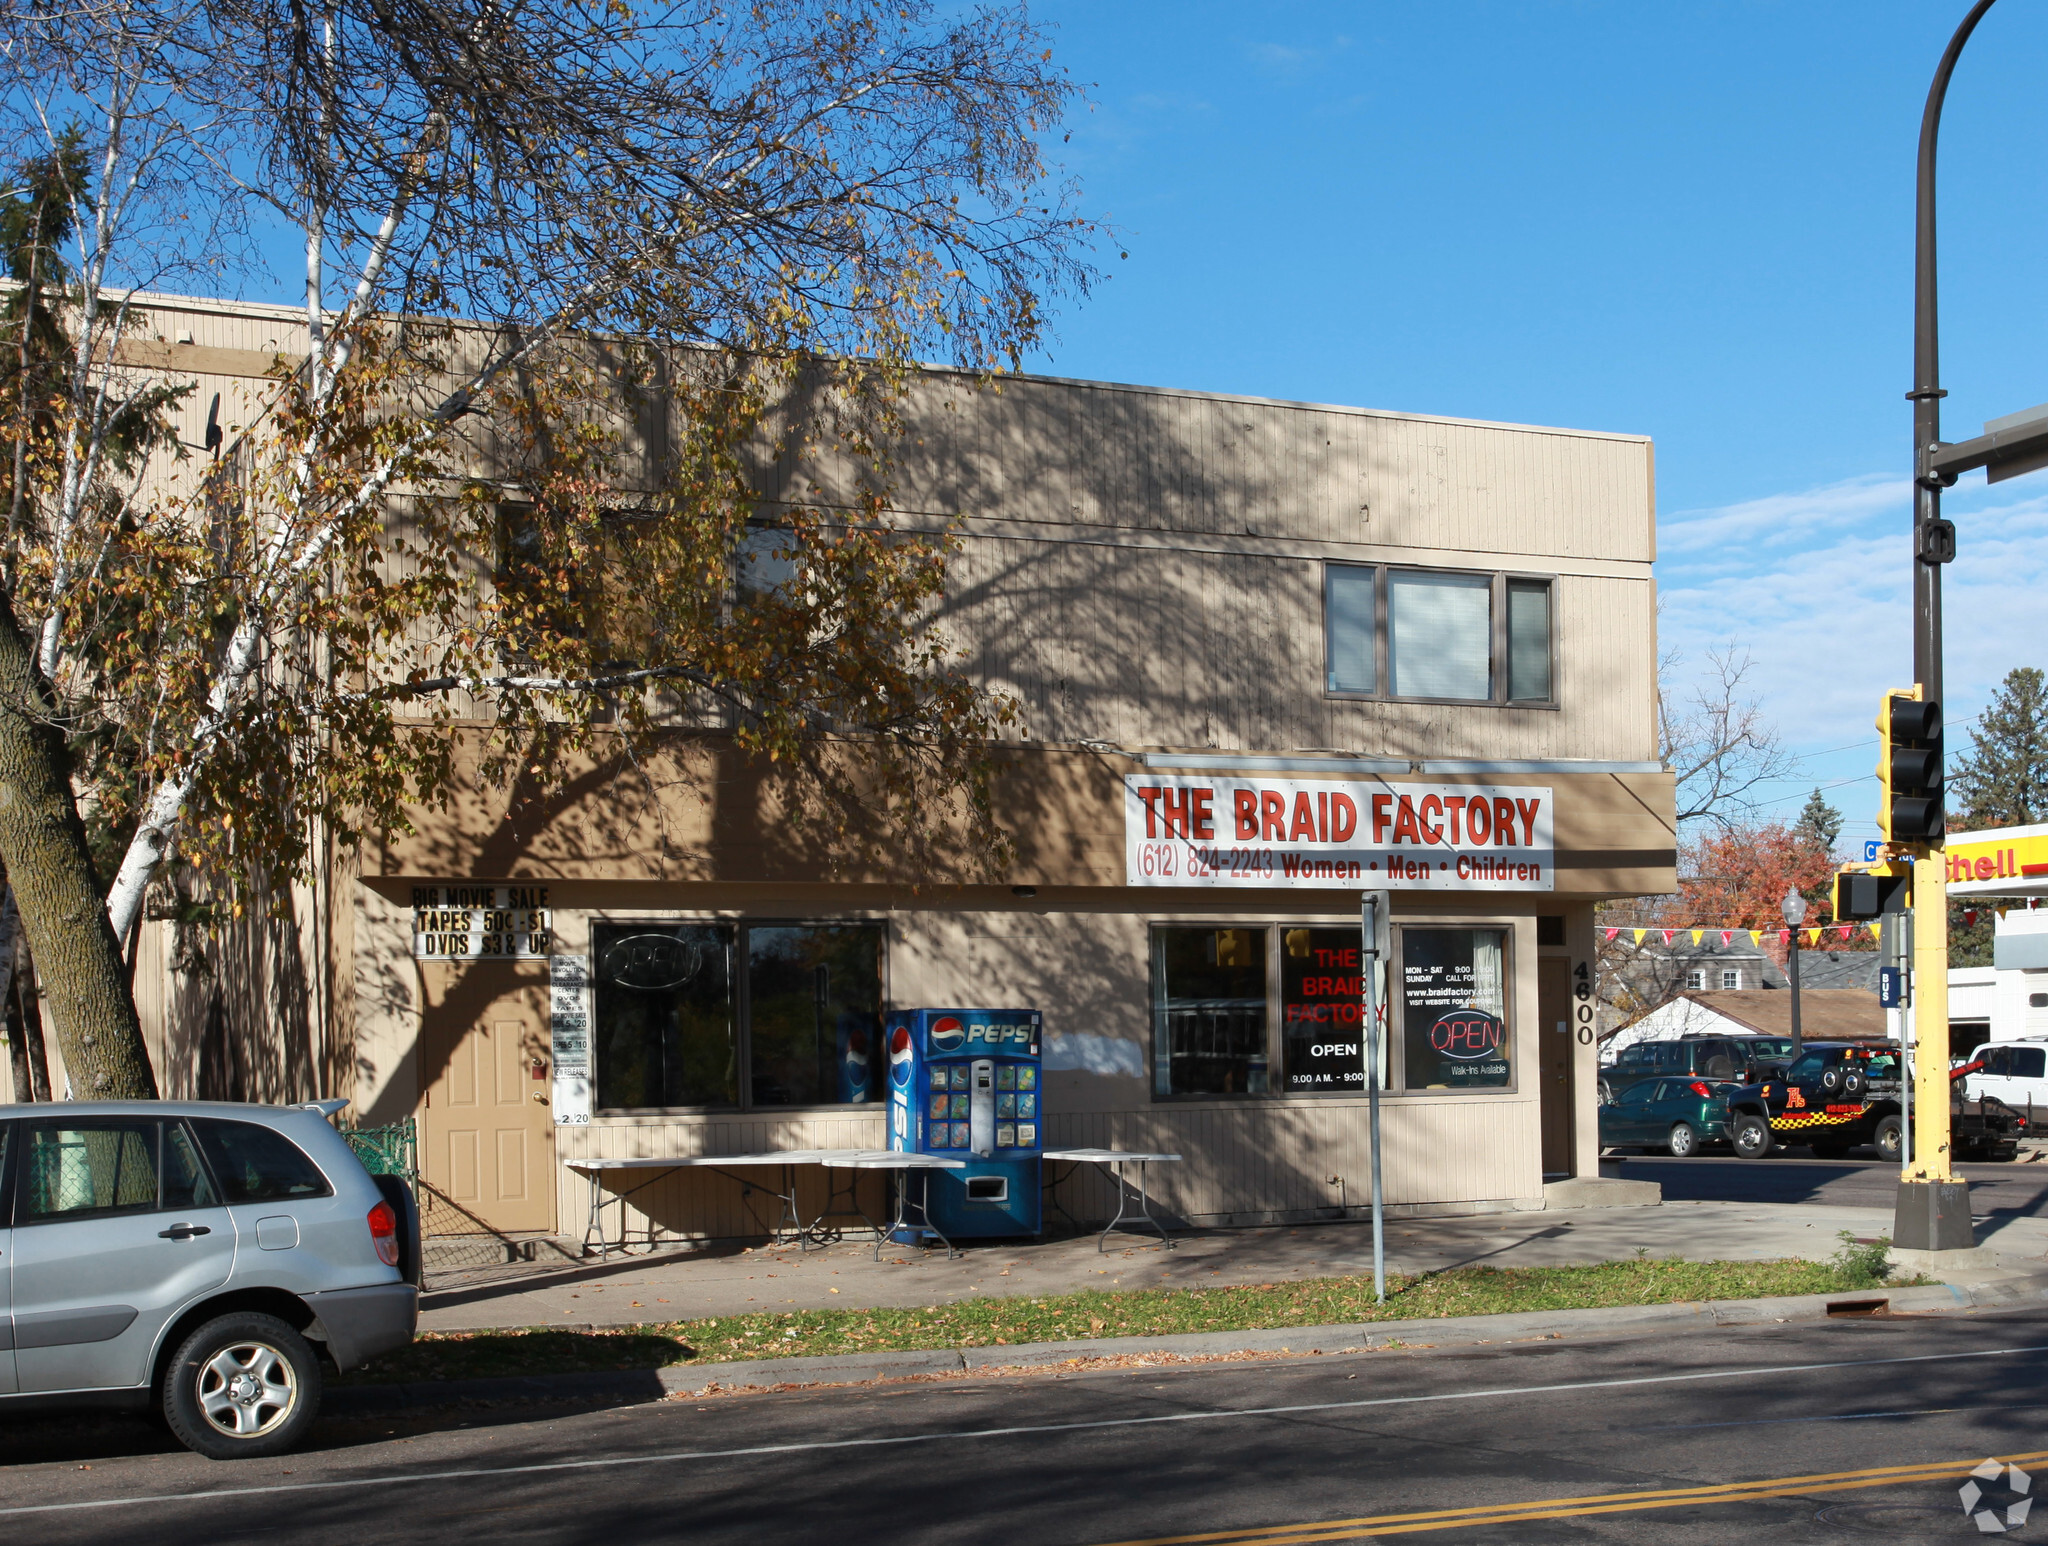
1993,1059
1883,1065
1809,1066
1640,1094
258,1164
2026,1062
88,1170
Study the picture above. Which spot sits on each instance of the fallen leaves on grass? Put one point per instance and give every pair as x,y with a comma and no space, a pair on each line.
1090,1314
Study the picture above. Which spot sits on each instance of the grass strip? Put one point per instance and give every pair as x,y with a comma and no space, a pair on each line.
999,1322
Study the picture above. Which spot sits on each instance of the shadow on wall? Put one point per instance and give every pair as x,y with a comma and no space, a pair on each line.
246,1020
1146,569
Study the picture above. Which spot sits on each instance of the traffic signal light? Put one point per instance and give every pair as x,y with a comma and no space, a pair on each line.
1909,769
1872,891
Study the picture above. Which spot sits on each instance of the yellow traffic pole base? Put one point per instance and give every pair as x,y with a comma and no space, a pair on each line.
1933,1209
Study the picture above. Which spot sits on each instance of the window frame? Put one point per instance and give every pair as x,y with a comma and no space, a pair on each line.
14,1211
742,1010
1275,1052
1397,1028
1731,979
1275,927
1497,644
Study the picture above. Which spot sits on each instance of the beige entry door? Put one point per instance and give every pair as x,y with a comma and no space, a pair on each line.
488,1134
1554,1062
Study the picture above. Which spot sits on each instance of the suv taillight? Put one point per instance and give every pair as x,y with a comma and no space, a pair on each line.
384,1233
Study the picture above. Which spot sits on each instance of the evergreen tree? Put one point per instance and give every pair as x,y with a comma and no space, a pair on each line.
2003,782
1819,823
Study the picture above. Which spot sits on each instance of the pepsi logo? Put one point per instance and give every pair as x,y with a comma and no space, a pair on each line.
948,1034
899,1055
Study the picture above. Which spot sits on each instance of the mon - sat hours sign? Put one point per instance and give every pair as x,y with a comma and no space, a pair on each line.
1267,832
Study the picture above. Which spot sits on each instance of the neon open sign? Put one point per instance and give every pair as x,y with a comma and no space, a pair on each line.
1468,1034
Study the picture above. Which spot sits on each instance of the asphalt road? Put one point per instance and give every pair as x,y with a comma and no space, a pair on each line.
1831,1432
2019,1189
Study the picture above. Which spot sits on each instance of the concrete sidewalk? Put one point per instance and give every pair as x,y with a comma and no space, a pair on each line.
727,1280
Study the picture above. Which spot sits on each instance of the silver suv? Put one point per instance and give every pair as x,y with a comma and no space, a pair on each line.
200,1257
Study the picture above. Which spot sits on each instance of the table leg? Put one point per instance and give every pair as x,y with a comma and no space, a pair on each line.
925,1212
790,1222
851,1187
898,1221
593,1221
1144,1213
1052,1192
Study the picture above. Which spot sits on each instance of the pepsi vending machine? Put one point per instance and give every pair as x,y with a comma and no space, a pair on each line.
965,1084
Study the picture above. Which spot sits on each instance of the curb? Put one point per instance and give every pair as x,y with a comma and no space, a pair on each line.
629,1385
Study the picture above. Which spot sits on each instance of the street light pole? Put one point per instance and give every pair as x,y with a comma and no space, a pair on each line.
1933,1211
1793,909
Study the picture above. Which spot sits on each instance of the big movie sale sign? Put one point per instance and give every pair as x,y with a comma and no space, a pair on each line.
1265,832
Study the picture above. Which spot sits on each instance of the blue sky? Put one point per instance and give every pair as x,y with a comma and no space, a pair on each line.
1691,220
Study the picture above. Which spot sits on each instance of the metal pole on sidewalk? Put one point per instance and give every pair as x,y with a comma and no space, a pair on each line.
1372,924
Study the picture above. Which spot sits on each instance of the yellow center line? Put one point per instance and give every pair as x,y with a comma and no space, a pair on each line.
1599,1503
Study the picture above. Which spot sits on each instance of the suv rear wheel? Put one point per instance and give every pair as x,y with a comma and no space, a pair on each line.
241,1386
1751,1135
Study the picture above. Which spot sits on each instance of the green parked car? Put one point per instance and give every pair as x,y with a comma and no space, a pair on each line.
1675,1115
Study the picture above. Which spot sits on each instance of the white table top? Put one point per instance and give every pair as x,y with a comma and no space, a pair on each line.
837,1159
1107,1156
887,1159
712,1161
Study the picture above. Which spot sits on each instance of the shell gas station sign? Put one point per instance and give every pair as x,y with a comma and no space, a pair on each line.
2004,861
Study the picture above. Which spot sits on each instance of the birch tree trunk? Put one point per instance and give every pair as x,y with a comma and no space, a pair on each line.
42,840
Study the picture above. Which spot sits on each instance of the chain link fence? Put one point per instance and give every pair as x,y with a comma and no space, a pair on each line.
457,1247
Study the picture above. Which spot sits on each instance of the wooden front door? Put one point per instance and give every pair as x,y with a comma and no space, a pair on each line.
488,1134
1554,1061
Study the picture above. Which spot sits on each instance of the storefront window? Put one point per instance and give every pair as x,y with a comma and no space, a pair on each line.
1454,1020
662,1033
1209,1011
670,1026
1321,1010
814,1013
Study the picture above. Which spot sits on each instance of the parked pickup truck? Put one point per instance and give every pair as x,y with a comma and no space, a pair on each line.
1837,1095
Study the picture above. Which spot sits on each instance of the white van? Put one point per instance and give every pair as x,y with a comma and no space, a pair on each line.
2015,1072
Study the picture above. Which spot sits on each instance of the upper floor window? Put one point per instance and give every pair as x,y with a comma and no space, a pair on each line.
1696,979
1731,979
1442,635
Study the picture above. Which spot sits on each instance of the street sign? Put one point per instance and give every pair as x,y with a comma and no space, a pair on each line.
1891,987
1872,847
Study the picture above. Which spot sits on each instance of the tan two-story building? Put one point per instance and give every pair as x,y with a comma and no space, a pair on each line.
1270,655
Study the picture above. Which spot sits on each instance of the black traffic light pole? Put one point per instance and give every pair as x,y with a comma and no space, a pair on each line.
1933,1211
1932,537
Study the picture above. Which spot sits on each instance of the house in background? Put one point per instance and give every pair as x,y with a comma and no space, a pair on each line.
1825,1014
1641,977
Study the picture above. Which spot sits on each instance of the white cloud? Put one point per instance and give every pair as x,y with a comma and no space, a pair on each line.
1817,587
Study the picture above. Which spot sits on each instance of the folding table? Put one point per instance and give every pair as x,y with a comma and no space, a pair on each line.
788,1224
1113,1161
